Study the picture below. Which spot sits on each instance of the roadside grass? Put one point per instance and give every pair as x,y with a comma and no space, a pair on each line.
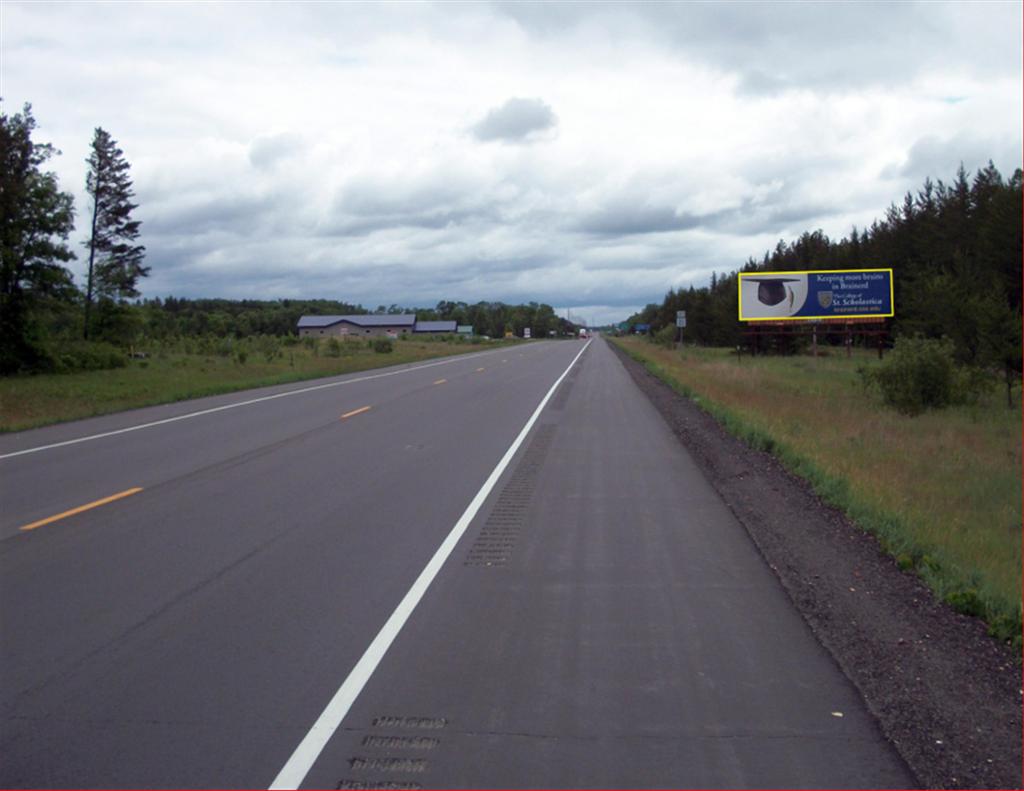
941,491
175,375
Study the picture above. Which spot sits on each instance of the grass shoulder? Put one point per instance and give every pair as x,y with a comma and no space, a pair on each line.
188,370
941,490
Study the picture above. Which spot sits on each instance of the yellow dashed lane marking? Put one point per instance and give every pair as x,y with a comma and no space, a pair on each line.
355,412
440,381
478,370
81,508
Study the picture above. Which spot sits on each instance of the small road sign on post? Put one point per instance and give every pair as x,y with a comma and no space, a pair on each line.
680,323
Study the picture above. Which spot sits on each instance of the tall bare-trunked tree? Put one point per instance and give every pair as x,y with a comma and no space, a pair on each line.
115,262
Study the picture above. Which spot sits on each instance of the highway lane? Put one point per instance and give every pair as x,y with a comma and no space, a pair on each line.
79,473
627,635
604,621
187,635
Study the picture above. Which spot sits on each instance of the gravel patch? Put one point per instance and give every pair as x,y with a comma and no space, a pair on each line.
945,694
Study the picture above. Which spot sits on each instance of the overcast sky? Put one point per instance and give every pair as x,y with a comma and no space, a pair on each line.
590,156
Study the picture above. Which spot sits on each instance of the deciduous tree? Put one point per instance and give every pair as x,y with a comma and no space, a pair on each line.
35,220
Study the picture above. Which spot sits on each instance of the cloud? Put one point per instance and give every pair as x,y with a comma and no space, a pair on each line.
516,121
771,207
267,150
624,219
198,213
774,47
341,151
435,199
938,158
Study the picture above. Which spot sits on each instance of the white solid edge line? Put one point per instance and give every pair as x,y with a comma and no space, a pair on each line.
309,749
240,403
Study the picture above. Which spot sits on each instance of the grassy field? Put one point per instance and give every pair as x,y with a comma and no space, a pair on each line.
942,490
30,401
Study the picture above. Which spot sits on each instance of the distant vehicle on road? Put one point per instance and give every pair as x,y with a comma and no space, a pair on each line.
583,333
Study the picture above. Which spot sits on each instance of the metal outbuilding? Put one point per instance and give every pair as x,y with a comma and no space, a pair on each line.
435,327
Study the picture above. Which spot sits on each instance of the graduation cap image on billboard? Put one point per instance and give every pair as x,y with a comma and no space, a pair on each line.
773,290
772,296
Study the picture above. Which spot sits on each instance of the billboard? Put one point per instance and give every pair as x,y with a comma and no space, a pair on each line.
828,294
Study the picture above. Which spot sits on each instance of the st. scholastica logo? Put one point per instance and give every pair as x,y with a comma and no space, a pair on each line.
824,298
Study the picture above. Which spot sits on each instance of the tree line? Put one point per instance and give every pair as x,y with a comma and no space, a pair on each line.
497,318
37,290
173,317
955,252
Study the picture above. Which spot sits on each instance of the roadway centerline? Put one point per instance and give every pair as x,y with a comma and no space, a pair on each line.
356,412
440,381
309,749
81,508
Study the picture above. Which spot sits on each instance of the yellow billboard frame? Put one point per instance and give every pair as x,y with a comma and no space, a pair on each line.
739,295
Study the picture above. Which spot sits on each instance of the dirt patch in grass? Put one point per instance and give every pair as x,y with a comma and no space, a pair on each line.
946,694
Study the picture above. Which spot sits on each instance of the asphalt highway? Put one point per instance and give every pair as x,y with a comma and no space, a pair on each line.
494,570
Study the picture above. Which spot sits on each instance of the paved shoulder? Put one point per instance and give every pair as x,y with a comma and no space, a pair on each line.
607,622
945,692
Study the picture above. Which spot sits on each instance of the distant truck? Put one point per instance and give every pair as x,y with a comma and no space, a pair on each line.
583,333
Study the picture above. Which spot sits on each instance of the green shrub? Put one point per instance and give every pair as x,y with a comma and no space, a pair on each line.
383,345
666,336
74,356
269,346
333,347
967,601
921,373
207,345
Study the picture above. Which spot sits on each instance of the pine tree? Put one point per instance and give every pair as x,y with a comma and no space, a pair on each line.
115,263
35,220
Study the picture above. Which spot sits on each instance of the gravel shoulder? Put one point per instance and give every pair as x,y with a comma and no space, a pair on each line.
945,694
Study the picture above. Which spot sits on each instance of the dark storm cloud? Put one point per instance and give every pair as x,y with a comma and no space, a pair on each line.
516,121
